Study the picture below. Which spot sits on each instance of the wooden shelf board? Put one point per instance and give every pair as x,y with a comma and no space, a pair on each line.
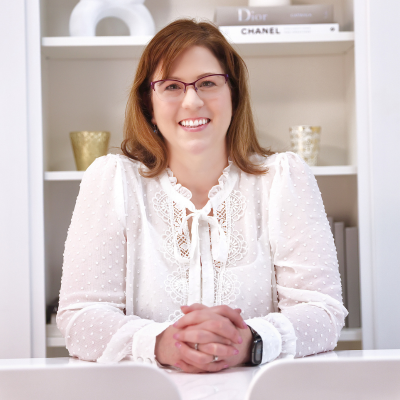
54,338
109,47
63,175
350,335
334,170
318,171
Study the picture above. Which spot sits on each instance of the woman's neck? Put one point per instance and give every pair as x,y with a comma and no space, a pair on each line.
199,173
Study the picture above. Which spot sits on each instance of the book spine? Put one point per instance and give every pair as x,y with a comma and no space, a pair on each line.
260,32
282,15
338,229
353,278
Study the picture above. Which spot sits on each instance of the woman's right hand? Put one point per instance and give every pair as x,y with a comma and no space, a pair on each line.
167,353
213,328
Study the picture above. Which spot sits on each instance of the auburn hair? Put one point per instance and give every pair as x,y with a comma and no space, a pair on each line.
141,143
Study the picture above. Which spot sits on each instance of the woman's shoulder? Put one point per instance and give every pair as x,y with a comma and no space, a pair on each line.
274,161
107,165
286,156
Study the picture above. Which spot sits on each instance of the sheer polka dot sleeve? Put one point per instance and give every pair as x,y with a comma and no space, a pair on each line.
92,306
307,276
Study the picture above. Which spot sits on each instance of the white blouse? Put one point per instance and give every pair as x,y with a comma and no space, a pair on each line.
261,243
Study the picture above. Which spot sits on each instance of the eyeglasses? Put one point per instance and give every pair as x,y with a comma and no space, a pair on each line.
206,87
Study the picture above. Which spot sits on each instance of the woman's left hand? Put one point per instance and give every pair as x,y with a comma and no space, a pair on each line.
211,327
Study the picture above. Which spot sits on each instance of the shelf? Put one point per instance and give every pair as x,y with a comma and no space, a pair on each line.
334,170
109,47
63,175
350,335
317,171
55,339
54,336
95,47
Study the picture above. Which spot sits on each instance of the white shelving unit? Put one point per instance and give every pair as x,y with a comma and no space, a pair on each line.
117,47
318,171
294,79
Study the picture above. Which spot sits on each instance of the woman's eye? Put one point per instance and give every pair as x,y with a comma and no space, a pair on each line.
172,86
207,84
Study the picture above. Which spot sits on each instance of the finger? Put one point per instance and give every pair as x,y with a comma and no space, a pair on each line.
193,307
221,310
217,349
200,336
185,367
233,315
193,356
199,314
210,367
221,327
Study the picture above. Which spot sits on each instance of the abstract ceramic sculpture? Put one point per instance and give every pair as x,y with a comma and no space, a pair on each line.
87,14
88,146
267,3
304,140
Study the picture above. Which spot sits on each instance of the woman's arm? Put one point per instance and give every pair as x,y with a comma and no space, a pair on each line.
92,297
307,276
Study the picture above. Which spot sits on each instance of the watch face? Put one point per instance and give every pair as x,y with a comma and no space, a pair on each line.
258,349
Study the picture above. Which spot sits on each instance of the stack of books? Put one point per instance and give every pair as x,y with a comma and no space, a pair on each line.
247,23
346,242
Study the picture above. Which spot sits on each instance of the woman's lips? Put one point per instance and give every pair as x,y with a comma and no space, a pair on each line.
194,128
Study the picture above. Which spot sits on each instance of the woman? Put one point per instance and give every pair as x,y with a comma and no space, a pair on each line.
197,227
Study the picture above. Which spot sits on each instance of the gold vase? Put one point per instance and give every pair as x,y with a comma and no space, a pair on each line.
88,146
304,141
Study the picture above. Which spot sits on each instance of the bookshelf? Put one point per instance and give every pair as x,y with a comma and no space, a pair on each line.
127,47
84,82
340,170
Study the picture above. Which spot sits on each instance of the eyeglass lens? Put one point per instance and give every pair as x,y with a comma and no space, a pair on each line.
207,87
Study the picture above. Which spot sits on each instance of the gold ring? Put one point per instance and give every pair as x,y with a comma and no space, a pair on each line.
215,358
196,346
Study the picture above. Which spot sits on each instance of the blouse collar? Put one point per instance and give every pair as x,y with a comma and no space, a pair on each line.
216,195
213,191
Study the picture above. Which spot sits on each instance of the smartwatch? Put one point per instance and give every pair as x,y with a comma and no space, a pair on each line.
256,350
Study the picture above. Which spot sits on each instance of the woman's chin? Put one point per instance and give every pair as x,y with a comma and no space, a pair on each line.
198,147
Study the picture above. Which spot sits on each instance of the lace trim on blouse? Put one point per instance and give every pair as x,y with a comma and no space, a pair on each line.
213,191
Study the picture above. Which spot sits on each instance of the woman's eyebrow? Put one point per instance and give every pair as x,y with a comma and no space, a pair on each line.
198,76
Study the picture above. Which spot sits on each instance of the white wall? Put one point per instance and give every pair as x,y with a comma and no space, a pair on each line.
378,111
14,190
385,167
21,183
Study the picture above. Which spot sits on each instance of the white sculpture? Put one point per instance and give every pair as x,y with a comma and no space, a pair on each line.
87,14
267,3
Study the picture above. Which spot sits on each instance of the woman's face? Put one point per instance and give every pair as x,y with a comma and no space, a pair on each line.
170,117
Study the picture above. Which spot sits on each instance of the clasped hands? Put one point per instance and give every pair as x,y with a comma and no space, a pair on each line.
219,331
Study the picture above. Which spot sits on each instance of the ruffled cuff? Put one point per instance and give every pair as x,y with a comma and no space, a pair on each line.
287,332
136,339
272,342
278,336
144,342
120,344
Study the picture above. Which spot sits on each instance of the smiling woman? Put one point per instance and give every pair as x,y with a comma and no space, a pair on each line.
198,248
194,49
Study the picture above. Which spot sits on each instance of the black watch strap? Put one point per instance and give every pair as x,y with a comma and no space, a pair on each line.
256,350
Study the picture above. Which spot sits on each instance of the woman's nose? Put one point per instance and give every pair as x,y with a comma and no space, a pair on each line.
191,99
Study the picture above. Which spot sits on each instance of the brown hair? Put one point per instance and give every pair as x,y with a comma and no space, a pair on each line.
142,144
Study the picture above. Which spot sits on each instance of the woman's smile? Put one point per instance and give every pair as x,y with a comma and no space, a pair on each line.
194,124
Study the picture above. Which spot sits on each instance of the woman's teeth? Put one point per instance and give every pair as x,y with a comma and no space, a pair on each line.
197,122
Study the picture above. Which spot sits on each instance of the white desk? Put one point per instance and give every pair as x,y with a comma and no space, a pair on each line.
373,374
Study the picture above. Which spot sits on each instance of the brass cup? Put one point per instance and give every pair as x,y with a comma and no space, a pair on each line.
304,141
88,146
